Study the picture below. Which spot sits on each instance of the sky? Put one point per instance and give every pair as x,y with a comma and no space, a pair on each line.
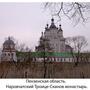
26,21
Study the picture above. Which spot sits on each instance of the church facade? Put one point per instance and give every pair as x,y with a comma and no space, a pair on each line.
9,51
55,38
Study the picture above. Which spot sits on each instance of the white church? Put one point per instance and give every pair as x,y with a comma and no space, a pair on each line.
52,40
8,51
55,38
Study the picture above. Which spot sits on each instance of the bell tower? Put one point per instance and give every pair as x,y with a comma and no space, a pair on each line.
9,51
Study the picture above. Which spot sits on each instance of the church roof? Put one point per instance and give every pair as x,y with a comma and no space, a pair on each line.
68,47
60,29
51,54
8,42
52,24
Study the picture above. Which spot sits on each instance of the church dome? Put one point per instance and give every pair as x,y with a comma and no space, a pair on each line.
8,42
60,29
52,24
9,45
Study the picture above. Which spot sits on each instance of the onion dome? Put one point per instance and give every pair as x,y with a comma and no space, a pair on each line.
60,29
52,24
8,45
8,42
47,28
42,36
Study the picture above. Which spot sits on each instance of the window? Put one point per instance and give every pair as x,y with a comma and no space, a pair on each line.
4,54
61,59
12,54
64,59
8,54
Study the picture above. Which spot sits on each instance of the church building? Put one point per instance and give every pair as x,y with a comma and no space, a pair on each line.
55,38
9,51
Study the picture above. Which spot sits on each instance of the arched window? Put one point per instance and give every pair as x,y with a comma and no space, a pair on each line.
64,60
61,59
4,54
8,54
12,54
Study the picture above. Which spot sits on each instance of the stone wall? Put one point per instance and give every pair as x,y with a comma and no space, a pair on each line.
36,70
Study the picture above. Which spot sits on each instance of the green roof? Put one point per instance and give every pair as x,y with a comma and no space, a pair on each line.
50,54
45,54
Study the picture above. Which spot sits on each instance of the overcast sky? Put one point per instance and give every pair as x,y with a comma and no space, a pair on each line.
26,21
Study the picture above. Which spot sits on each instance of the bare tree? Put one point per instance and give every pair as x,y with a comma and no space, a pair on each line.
44,47
20,47
76,11
78,43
